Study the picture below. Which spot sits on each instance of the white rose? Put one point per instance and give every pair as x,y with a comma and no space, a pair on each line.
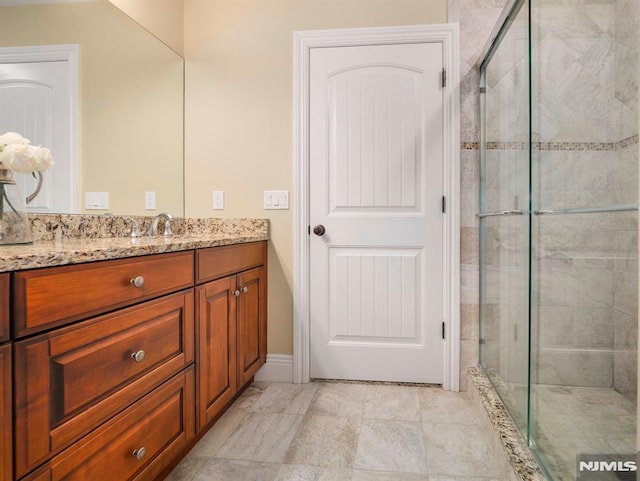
20,158
13,138
45,159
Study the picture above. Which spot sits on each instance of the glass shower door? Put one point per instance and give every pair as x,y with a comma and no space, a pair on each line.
504,218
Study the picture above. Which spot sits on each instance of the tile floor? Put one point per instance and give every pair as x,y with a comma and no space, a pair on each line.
326,431
569,421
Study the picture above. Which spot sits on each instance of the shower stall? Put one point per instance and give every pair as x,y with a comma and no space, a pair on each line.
559,225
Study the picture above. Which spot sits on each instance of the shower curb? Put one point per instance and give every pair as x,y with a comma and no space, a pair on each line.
520,457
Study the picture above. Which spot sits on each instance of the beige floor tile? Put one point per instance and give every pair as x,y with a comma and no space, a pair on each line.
325,441
458,478
359,475
261,437
459,450
234,470
439,406
344,400
250,396
286,398
401,403
211,442
290,472
391,446
188,468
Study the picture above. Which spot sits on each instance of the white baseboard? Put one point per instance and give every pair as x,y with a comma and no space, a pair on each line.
279,368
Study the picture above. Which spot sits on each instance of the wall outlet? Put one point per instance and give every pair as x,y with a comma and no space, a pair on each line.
276,199
150,200
218,200
96,200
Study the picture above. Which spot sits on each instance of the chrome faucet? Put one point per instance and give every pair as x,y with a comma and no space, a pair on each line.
153,227
135,229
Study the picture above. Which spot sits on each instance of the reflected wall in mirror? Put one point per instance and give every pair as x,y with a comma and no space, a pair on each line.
128,137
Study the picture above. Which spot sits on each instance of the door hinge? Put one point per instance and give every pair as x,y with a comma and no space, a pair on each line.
444,204
443,330
444,77
309,229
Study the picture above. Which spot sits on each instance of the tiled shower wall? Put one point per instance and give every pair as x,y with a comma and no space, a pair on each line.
585,266
477,19
585,127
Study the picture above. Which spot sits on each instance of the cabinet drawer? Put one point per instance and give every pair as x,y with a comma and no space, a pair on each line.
161,423
72,379
216,262
4,307
52,296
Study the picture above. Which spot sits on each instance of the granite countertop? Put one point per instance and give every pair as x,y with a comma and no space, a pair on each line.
88,246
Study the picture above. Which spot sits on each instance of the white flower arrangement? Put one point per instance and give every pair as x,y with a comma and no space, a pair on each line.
16,154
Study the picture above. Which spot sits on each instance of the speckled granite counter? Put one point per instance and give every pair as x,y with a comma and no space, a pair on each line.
69,239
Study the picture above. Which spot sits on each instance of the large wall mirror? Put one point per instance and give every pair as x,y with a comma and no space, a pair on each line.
121,129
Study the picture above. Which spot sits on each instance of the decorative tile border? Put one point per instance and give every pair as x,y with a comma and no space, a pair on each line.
519,454
555,146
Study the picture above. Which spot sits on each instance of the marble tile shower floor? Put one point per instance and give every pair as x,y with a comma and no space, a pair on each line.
325,431
568,421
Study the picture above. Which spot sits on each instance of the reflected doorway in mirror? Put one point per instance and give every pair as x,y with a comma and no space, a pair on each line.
38,92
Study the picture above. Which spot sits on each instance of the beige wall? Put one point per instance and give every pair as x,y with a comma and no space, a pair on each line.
131,100
239,131
164,18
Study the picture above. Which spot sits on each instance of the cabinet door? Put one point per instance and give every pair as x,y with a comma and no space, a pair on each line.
252,326
4,307
6,455
216,339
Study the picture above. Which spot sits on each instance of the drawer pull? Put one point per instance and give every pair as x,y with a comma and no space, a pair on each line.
139,453
137,356
245,289
137,281
236,293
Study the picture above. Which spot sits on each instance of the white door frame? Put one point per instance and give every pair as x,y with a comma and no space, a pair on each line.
304,41
69,53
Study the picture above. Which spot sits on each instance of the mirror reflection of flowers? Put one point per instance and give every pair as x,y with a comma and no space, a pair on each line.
17,155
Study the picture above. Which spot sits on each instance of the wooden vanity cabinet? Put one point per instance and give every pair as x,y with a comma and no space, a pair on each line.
81,375
103,366
112,378
6,422
4,308
231,329
135,445
6,396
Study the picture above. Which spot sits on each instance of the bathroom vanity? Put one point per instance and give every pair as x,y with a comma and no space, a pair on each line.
119,364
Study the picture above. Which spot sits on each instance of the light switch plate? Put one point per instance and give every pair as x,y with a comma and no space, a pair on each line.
96,200
276,199
150,200
218,200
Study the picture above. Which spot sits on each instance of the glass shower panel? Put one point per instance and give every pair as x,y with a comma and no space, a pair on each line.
584,302
504,219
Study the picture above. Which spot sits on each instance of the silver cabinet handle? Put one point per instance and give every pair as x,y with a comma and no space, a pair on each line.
245,289
139,453
138,355
236,293
137,281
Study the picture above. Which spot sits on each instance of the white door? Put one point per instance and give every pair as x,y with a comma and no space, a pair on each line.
376,185
35,101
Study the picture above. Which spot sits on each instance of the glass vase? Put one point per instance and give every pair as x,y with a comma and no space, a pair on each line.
15,227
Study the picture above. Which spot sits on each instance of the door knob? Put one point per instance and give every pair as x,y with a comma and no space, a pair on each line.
319,230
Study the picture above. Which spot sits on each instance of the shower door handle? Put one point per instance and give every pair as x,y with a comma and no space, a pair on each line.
497,213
